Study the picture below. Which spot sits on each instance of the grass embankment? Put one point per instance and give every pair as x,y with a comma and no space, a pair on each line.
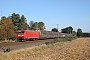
12,55
61,40
6,41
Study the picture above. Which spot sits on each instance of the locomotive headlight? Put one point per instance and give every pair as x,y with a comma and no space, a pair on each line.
18,35
22,35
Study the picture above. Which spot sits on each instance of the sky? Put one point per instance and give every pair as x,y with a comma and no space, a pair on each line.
75,13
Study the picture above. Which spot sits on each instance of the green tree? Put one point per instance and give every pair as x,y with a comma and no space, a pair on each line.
20,23
34,26
3,17
41,25
38,26
30,24
67,30
79,32
23,23
70,29
15,18
85,34
55,30
74,33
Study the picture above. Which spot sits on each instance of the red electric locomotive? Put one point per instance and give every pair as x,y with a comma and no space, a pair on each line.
24,35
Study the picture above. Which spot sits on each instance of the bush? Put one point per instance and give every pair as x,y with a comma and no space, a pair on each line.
47,43
6,50
61,40
69,38
56,40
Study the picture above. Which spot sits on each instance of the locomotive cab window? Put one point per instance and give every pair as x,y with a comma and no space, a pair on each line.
21,32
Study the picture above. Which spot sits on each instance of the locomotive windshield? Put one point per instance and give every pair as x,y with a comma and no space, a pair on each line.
20,32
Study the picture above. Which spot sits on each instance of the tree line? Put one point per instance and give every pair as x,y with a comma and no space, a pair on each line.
78,33
69,30
11,24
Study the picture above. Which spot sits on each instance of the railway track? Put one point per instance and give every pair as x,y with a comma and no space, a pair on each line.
21,45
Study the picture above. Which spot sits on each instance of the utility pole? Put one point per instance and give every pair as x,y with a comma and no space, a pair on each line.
58,32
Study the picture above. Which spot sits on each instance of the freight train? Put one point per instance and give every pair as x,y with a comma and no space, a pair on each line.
24,35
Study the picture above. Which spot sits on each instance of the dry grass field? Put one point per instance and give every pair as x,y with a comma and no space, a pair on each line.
78,49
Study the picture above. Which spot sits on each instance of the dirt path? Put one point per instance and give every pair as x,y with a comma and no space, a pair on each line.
78,49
